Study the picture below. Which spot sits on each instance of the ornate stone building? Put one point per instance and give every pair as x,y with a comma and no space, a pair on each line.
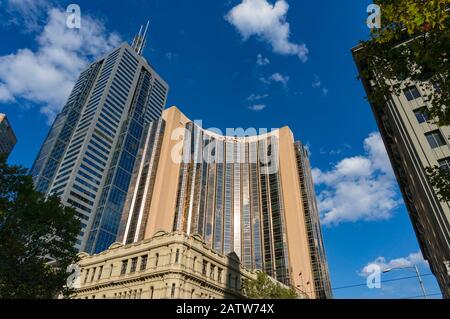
175,266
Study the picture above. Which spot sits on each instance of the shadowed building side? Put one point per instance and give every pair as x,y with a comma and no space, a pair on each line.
414,143
7,137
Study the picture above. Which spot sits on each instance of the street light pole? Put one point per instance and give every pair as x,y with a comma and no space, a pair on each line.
422,286
416,269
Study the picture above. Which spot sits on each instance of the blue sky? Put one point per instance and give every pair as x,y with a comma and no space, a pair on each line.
257,63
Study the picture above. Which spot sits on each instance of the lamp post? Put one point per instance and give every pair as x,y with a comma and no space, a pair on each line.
416,269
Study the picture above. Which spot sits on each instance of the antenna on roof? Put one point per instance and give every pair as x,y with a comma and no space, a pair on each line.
140,40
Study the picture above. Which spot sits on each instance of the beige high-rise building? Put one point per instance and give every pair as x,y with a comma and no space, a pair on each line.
414,143
244,193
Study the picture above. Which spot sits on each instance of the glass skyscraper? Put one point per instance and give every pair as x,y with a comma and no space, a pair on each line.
88,156
7,137
249,195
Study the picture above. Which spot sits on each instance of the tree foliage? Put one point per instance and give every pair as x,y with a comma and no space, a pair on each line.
265,288
412,47
33,230
440,179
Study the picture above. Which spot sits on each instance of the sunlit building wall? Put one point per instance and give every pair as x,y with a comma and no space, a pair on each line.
240,194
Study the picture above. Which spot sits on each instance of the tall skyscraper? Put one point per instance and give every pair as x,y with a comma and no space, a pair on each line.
88,156
414,143
251,195
7,137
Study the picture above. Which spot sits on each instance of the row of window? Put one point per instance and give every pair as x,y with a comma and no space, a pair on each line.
434,138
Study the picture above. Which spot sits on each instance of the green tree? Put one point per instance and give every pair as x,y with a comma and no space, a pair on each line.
33,230
412,47
440,179
265,288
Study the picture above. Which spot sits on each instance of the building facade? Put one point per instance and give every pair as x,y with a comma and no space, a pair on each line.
89,153
414,143
166,266
7,137
250,195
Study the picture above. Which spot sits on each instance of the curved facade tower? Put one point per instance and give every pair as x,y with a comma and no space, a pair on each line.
251,195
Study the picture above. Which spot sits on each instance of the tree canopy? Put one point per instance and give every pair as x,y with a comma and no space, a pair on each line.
33,231
265,288
412,47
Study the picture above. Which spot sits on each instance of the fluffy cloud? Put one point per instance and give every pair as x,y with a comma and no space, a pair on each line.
317,84
256,97
45,76
277,78
257,107
358,188
268,22
261,61
414,259
24,13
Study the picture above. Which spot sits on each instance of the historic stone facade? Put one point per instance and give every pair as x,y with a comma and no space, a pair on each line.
174,266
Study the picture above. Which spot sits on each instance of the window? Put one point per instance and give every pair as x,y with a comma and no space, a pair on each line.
422,115
156,260
100,271
124,267
219,275
133,265
111,270
412,93
93,274
144,262
435,139
177,256
172,293
87,275
445,164
152,290
194,263
212,271
205,267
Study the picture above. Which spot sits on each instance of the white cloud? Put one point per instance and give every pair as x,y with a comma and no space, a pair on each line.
256,97
268,22
276,77
261,61
316,83
170,56
414,259
257,107
24,13
358,188
45,76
